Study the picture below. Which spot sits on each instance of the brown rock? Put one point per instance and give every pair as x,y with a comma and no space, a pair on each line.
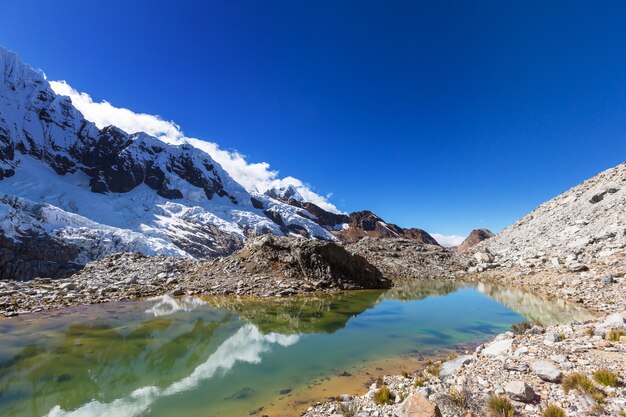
474,238
417,405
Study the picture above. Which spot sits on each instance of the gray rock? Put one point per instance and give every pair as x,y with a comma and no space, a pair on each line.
450,368
614,321
578,267
552,337
498,347
519,391
516,366
546,371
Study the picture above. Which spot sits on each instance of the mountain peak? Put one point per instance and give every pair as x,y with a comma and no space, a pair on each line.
286,192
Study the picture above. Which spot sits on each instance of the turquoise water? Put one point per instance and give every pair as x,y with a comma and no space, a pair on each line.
232,357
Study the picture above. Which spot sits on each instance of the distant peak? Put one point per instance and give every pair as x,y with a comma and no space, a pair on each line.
288,192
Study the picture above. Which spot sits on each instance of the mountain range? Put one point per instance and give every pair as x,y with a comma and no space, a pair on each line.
71,192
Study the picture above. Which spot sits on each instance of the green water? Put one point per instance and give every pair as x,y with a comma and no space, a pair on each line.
227,356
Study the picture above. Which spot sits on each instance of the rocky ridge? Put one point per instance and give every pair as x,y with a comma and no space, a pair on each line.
265,266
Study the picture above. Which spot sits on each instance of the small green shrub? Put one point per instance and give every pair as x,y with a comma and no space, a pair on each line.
383,396
520,328
406,373
590,331
348,409
605,377
458,398
553,411
500,406
615,334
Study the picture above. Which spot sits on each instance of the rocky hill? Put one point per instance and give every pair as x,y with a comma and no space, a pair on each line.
475,237
584,226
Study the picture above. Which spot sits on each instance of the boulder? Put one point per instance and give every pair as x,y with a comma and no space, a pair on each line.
497,348
519,391
450,368
417,405
546,371
614,321
483,257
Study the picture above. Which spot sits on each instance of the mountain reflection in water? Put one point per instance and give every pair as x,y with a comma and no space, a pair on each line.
188,356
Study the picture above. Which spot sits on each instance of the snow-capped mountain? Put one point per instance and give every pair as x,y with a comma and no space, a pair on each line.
67,184
288,192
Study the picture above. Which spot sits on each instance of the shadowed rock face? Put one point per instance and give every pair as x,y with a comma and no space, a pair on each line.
319,264
474,238
36,256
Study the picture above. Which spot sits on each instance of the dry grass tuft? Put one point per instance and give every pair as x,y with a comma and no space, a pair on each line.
500,406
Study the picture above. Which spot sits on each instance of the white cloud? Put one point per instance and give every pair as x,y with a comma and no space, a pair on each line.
447,241
252,176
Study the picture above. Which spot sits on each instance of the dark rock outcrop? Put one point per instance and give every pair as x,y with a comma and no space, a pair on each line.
36,256
313,264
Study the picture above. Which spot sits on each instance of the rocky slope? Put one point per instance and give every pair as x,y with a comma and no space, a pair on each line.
87,192
582,227
409,259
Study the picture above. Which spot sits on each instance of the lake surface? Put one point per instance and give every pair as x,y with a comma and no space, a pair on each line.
238,357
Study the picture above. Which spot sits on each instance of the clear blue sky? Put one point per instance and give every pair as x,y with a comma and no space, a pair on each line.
441,115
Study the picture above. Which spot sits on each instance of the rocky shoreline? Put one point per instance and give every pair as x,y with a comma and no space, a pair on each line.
530,369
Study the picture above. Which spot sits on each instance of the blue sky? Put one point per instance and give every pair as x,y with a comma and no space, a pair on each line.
440,115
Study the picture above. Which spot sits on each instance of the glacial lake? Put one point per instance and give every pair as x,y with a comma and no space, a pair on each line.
235,357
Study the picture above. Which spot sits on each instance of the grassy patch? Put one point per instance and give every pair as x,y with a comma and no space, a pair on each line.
553,411
606,377
383,396
419,382
434,369
500,406
578,381
458,398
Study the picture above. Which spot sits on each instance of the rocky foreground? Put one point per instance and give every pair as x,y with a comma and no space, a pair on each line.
577,367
